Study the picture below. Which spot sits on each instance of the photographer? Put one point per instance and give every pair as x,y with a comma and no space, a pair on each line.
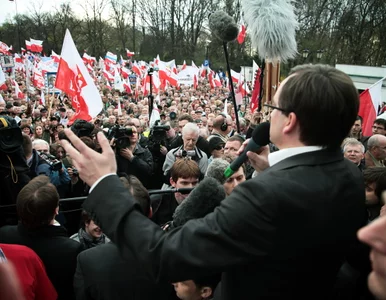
132,158
190,135
44,163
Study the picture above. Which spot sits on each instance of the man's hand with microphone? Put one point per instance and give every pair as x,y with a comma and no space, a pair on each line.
258,159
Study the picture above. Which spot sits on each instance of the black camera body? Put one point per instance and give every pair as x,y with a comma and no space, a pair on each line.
121,136
82,128
55,165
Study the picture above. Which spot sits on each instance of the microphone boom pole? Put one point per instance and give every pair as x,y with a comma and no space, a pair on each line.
231,85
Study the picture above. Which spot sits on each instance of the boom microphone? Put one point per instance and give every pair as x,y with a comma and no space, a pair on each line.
260,138
223,26
201,201
272,26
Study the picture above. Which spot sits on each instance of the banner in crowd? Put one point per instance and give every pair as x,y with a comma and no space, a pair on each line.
186,76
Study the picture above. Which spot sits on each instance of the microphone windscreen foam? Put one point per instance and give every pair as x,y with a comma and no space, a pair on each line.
260,134
223,26
272,25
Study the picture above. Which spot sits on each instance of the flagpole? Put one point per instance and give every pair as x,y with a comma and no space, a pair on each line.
232,87
374,84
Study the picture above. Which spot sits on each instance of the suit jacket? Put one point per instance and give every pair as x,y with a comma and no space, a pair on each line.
54,248
269,242
102,274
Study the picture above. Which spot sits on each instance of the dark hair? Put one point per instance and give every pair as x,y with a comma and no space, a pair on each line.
380,122
86,219
376,175
207,281
184,168
36,202
55,147
359,118
186,117
139,192
316,93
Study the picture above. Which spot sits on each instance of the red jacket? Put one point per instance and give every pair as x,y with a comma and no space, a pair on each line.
31,272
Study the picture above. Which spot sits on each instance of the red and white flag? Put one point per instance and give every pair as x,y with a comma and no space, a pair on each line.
129,53
370,101
55,57
19,94
3,85
34,45
183,66
256,91
242,32
74,79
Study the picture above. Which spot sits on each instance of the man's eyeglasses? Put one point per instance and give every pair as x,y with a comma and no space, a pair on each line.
275,107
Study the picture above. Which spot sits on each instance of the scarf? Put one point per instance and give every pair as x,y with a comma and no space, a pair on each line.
88,241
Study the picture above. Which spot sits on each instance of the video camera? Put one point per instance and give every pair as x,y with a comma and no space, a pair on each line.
121,136
185,153
157,137
55,165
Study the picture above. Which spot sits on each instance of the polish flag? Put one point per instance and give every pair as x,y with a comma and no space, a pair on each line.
129,53
127,86
34,45
74,80
256,91
111,57
370,101
242,32
183,66
195,82
125,72
18,92
235,76
135,68
18,59
108,75
108,86
55,57
3,85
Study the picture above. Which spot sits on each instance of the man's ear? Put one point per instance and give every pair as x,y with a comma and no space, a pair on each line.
206,292
172,183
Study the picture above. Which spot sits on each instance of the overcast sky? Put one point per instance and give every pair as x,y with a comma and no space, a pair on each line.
8,8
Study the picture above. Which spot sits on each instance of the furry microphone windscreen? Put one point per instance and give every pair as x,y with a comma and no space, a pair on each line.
223,26
272,26
216,169
200,202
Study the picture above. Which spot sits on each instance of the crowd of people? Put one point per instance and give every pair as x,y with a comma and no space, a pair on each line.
162,221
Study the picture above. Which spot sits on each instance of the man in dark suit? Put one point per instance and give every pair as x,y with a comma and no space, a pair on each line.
280,235
37,206
102,274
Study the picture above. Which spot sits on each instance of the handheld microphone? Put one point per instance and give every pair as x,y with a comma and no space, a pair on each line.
272,26
201,201
260,138
223,26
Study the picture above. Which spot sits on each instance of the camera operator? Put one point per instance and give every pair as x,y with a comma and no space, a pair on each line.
48,165
142,140
158,145
190,135
132,158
